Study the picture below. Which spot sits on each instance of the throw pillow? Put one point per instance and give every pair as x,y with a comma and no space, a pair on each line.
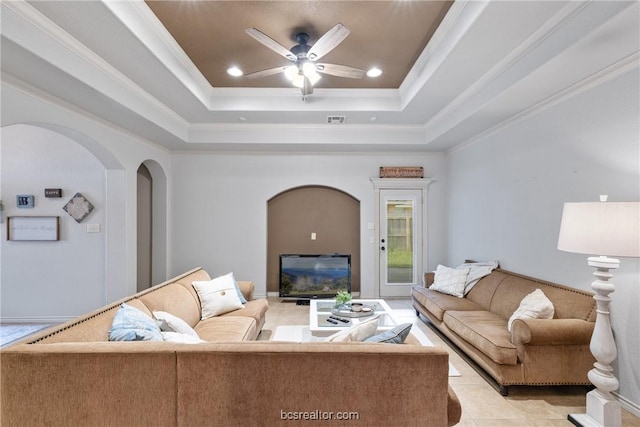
217,296
170,323
359,332
131,324
232,278
536,305
396,335
181,338
450,281
477,270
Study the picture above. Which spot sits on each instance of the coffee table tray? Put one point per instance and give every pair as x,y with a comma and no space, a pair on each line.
345,312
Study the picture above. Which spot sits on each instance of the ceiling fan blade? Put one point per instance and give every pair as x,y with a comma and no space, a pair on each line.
270,43
340,71
267,72
328,42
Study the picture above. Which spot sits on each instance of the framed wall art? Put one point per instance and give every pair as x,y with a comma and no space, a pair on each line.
33,228
78,207
25,201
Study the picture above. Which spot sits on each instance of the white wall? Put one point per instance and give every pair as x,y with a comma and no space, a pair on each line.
90,146
39,277
506,194
219,205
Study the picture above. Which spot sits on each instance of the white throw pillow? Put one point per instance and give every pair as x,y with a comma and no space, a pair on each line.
450,281
170,323
180,338
359,332
477,270
536,305
217,296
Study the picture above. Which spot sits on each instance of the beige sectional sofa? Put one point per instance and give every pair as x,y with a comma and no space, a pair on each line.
536,351
72,375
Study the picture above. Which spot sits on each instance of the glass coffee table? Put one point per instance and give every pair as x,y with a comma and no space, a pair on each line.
325,319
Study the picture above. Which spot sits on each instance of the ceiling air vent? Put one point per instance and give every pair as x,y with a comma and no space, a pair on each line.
336,120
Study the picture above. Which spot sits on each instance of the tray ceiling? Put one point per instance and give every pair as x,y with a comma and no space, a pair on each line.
388,34
454,72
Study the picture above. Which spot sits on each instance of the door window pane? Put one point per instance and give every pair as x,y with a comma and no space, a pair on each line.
400,254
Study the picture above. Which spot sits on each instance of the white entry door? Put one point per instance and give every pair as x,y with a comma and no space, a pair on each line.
400,245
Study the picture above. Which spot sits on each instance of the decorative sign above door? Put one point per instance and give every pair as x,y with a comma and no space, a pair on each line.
401,172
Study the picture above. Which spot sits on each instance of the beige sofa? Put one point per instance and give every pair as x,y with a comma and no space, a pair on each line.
536,352
72,375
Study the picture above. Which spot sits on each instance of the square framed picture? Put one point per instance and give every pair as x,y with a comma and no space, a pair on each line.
25,201
78,207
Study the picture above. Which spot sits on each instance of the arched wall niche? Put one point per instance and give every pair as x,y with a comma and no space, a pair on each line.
296,215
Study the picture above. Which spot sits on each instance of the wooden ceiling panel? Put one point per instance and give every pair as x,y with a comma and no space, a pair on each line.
387,34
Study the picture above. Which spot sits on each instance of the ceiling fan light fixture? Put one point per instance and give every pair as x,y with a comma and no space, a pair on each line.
234,71
309,69
298,81
291,72
374,72
314,78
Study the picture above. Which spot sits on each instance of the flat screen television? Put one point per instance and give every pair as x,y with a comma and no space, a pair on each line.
304,276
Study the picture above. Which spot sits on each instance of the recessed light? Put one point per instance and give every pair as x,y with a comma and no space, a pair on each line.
373,118
234,71
242,118
374,72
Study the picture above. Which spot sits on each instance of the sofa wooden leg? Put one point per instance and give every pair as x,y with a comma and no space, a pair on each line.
504,390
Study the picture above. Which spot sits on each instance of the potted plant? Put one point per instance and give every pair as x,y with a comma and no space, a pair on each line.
342,297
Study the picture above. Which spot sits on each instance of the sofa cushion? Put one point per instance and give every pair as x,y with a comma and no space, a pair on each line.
450,280
227,328
255,308
131,324
437,303
486,331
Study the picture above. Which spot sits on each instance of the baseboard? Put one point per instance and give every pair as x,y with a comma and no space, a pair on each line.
628,405
43,319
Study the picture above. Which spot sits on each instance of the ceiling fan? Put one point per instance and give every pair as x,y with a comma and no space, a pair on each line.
303,73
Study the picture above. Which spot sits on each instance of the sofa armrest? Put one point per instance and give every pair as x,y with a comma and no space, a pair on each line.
429,276
551,331
246,288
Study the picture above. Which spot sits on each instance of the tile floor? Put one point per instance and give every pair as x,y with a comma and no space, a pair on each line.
482,406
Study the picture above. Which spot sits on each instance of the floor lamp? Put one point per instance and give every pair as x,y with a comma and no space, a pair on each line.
605,229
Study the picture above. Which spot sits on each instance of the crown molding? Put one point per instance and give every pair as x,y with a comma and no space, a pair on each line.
460,17
602,76
540,46
32,31
145,25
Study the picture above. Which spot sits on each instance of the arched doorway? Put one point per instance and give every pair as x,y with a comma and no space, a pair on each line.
144,229
312,220
151,225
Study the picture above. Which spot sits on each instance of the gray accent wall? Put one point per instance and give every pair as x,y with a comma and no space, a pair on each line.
506,193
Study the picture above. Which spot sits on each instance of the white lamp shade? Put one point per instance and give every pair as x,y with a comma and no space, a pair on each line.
605,228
